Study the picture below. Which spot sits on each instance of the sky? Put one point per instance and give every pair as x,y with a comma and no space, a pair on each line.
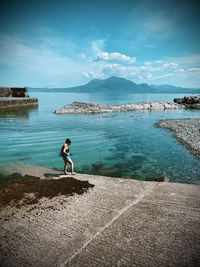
67,43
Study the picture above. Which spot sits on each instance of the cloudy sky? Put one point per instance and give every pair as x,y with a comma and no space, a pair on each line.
69,42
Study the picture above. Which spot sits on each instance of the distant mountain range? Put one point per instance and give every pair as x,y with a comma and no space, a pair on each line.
119,85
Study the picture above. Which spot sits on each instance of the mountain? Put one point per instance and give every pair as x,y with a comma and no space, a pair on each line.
119,85
113,85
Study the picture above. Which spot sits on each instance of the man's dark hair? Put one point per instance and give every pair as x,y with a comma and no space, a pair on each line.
67,141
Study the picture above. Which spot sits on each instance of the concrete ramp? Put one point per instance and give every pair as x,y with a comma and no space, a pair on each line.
118,222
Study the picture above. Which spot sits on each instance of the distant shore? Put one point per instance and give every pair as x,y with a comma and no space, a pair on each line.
187,132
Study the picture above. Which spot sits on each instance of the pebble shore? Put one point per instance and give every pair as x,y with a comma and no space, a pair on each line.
187,131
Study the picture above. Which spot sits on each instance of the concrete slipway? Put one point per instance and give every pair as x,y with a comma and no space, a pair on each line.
118,222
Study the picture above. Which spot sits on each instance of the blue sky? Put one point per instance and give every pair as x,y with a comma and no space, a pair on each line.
67,43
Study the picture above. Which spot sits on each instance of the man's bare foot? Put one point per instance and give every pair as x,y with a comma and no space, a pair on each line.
66,173
73,173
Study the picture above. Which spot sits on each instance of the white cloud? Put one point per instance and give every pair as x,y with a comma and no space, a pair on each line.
98,47
160,77
171,65
92,75
194,69
115,57
158,70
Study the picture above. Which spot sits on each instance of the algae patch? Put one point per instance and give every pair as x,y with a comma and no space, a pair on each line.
29,189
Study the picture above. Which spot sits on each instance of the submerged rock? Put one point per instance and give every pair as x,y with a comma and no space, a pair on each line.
88,108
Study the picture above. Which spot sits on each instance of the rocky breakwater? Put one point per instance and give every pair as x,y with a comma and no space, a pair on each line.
88,108
189,101
187,131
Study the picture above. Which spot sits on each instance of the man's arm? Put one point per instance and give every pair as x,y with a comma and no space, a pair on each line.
65,148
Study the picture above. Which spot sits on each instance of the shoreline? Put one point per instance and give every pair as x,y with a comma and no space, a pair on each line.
186,131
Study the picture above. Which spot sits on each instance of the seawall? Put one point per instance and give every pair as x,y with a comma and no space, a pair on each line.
12,102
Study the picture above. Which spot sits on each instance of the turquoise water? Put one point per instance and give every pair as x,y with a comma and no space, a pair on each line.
119,144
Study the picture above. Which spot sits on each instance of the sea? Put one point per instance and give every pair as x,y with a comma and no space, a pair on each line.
126,145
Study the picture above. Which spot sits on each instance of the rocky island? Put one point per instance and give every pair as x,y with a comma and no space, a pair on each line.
89,108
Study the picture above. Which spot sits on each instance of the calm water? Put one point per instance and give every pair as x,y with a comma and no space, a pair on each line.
120,144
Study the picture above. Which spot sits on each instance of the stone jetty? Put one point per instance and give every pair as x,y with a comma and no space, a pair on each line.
12,97
89,108
13,102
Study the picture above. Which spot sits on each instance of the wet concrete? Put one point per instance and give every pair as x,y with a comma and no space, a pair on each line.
118,222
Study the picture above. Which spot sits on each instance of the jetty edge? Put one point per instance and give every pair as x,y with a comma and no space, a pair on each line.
16,97
117,222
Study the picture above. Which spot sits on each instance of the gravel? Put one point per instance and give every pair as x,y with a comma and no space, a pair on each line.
187,132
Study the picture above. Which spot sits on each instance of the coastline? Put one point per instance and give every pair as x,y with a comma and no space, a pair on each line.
187,132
116,221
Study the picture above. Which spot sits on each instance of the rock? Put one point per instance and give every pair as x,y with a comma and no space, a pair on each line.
5,92
89,108
189,101
160,179
157,105
14,92
170,105
178,100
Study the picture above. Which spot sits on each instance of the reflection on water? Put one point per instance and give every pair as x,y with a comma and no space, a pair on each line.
19,112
